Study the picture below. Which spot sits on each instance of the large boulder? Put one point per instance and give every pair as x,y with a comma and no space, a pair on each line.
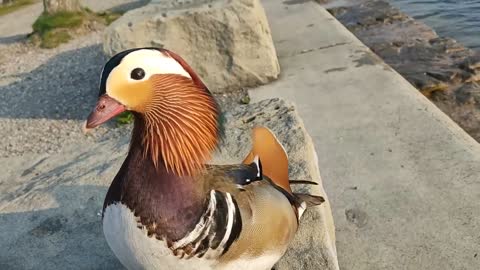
227,42
50,205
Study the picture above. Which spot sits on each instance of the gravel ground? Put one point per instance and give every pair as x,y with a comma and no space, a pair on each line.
19,23
46,94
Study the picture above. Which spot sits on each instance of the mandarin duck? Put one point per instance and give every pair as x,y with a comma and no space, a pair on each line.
167,208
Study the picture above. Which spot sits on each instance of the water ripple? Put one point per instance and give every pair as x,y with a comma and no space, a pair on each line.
458,19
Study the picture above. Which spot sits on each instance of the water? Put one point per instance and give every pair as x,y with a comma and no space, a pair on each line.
458,19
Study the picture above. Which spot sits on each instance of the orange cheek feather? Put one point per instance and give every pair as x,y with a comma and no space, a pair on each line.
134,95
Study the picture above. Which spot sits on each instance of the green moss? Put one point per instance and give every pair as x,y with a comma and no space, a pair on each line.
46,22
245,99
52,39
106,17
53,29
124,118
109,17
8,8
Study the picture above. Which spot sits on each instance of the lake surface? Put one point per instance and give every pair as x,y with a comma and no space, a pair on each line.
458,19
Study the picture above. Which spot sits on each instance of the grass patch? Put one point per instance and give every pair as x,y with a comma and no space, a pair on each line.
106,17
52,39
8,8
109,17
51,30
46,22
124,118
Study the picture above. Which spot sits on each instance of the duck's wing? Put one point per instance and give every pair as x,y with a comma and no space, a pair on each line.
269,210
267,221
251,211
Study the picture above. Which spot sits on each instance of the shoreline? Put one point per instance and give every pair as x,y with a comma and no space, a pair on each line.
442,69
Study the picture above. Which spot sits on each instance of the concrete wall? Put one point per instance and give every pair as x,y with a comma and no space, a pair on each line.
403,178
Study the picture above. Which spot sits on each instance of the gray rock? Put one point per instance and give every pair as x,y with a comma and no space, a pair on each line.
366,13
54,6
227,42
472,63
463,105
395,34
51,204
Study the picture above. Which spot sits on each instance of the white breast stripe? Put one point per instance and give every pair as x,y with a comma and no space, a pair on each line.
230,216
202,228
215,228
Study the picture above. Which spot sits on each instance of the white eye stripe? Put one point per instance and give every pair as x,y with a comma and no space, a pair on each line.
152,62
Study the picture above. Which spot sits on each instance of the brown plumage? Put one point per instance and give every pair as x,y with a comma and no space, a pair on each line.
180,124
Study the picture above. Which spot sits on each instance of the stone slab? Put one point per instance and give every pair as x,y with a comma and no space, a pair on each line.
402,177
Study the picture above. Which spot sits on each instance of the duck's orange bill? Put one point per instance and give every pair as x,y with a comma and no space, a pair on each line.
106,109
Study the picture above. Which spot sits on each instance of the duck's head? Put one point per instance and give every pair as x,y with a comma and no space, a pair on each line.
176,117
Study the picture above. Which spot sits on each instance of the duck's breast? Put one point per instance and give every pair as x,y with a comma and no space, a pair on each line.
136,250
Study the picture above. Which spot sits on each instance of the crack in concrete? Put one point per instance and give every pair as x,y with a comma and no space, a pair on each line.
319,48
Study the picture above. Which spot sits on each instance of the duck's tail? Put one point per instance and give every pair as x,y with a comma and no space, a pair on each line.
274,165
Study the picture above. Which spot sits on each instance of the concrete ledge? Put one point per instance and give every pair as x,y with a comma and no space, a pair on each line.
401,176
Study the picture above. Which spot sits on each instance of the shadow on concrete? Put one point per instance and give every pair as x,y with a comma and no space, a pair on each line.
67,237
64,231
65,87
12,39
129,6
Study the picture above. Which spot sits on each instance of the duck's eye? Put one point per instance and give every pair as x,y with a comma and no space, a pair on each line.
137,74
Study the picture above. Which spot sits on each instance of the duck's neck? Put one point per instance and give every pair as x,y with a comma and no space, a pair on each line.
167,204
180,125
